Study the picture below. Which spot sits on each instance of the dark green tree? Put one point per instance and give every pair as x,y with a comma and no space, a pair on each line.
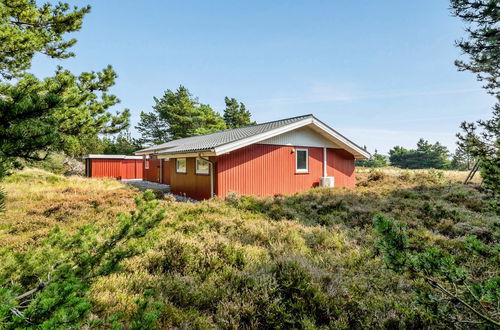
152,128
27,124
375,160
84,110
426,155
461,159
122,144
27,29
235,114
183,115
482,48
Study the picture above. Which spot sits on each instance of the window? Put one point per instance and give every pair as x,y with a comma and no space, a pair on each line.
180,165
302,161
202,166
146,163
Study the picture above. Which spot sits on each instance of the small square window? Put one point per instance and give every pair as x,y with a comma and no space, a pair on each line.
302,161
180,165
202,166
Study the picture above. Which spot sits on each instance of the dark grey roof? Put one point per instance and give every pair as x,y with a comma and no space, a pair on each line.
213,140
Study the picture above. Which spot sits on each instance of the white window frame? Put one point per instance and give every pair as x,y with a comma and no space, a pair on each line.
301,170
199,171
177,166
146,163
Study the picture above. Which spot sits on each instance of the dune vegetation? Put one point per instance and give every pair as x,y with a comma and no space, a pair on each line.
373,256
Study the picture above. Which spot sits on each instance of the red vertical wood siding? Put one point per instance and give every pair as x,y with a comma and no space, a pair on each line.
341,167
264,170
165,175
153,172
115,168
190,184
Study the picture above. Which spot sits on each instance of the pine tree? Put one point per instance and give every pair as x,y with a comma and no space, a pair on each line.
235,114
482,47
152,128
181,115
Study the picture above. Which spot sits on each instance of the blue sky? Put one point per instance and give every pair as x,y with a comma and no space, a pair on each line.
380,72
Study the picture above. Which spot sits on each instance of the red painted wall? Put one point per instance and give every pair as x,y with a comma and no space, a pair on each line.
115,168
265,170
153,172
341,167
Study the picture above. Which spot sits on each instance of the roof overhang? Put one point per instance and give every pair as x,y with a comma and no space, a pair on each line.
315,124
95,156
166,154
311,122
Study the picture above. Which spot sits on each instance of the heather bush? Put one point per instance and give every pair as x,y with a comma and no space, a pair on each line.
309,260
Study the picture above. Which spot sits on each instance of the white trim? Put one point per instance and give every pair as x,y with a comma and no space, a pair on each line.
196,166
312,122
145,162
301,170
184,155
95,156
324,162
177,165
211,168
228,147
348,145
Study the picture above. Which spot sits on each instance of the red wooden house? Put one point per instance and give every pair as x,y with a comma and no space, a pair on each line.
278,157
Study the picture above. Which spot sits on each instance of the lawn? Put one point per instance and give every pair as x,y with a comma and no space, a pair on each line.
309,260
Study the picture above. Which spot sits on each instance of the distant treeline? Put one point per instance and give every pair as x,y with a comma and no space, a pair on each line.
425,155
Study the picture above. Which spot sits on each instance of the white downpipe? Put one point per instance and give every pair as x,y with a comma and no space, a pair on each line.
324,162
211,168
211,179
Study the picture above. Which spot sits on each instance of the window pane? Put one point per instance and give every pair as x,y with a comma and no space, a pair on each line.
202,166
181,165
301,160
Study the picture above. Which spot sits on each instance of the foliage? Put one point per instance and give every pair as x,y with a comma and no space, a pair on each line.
122,144
235,114
462,159
152,128
482,47
375,160
478,300
185,116
83,113
178,115
27,126
426,155
302,261
77,261
26,30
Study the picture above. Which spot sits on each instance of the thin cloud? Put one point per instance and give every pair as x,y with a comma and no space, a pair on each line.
328,94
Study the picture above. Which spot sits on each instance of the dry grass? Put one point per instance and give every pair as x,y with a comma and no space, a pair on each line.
37,201
449,175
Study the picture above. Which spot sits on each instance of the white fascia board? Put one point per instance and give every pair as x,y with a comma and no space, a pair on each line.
359,153
94,156
228,147
151,151
185,154
333,135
